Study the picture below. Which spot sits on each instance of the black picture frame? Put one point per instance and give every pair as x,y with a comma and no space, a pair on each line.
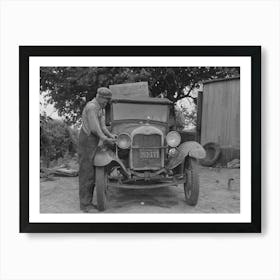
25,52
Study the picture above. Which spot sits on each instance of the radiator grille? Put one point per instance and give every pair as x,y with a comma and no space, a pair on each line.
146,152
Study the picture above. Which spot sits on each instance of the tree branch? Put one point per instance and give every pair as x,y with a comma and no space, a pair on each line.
191,88
181,96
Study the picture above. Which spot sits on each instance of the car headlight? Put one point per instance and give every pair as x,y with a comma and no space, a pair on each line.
124,141
172,152
173,139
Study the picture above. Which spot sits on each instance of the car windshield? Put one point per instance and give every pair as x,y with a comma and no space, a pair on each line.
126,111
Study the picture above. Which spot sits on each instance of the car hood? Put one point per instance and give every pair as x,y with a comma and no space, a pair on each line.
130,127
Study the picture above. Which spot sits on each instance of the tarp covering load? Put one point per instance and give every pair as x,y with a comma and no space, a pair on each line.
130,90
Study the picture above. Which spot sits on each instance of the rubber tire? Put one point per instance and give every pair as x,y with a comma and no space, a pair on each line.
101,187
191,186
217,152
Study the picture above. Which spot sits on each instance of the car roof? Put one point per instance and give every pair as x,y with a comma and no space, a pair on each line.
143,100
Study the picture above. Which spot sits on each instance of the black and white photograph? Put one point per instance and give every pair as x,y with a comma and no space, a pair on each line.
141,135
140,139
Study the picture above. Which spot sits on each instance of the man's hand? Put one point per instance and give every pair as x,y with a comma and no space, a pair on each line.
110,141
114,136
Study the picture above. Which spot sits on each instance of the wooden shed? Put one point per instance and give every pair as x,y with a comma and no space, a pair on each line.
219,116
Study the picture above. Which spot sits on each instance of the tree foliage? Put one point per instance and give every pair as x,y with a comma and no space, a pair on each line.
69,88
186,113
56,139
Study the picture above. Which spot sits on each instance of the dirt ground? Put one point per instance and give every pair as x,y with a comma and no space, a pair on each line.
60,195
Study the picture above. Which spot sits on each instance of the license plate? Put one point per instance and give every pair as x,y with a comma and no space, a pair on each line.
152,153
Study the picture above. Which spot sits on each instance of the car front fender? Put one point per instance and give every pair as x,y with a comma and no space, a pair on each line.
189,148
104,156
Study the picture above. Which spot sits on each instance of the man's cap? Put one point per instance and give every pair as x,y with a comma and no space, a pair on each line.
104,92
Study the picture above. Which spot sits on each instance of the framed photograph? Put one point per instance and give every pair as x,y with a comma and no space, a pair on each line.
155,139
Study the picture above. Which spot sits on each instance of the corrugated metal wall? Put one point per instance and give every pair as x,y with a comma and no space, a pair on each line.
220,120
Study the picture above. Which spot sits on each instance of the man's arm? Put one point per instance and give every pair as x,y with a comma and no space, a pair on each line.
94,125
104,128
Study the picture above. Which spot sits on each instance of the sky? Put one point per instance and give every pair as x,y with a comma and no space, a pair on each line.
48,108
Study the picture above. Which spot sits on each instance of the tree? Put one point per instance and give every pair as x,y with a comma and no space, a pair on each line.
186,113
56,139
69,88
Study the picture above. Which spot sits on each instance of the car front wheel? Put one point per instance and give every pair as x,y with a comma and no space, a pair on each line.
101,187
191,185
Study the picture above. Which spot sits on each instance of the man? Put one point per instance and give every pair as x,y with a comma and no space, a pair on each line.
92,134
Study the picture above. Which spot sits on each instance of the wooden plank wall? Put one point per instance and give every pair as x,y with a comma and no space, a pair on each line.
221,113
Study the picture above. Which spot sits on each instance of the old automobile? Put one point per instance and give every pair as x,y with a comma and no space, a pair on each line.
148,151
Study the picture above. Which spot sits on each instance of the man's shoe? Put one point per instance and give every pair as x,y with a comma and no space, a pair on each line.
89,209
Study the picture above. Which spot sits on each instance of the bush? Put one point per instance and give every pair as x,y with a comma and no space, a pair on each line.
56,139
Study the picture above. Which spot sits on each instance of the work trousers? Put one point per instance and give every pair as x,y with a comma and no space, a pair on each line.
87,149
